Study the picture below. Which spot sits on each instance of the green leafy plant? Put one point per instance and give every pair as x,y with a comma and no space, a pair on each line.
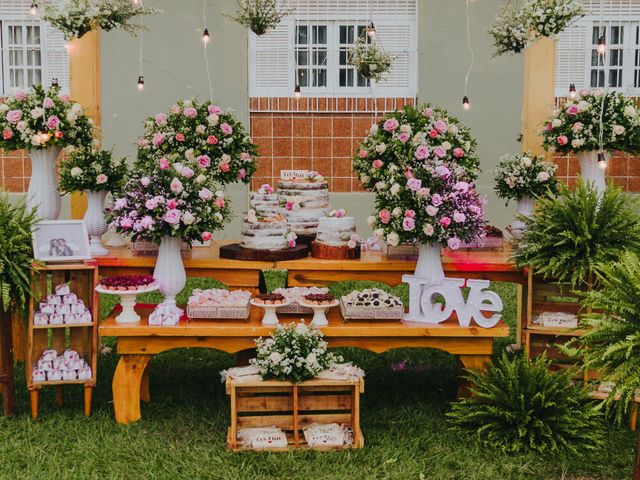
571,235
90,169
523,175
371,61
16,253
259,16
520,406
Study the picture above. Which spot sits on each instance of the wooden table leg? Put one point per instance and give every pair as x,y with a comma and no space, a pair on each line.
471,362
6,366
34,396
126,385
145,392
60,395
88,393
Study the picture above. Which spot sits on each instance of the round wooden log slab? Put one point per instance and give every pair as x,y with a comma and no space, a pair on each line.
237,252
330,252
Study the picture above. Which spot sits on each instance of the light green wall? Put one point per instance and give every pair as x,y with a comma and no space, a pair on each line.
174,69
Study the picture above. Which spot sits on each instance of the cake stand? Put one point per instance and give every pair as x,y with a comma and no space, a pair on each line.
127,301
270,317
320,312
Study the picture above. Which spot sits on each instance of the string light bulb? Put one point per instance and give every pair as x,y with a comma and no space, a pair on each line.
465,103
572,91
371,30
205,36
602,45
33,10
297,91
140,82
602,160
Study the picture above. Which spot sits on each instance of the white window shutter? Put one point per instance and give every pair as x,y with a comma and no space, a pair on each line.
571,57
271,61
398,39
57,58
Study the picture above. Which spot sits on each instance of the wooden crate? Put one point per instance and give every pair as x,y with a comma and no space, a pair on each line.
293,407
82,279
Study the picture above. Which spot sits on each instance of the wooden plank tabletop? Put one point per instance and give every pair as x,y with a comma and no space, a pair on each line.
337,328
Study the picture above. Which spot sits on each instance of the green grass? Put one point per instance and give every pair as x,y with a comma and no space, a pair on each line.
183,430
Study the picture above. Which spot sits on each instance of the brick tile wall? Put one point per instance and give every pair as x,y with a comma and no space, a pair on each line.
15,170
623,169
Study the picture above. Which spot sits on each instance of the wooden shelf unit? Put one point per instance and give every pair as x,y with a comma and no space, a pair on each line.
292,407
83,338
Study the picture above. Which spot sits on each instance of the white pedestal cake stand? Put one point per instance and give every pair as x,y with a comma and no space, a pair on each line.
320,312
127,301
270,317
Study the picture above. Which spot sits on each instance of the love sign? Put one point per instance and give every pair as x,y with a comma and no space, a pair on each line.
424,307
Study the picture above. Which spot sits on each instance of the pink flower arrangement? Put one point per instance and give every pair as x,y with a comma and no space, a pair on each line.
377,163
391,125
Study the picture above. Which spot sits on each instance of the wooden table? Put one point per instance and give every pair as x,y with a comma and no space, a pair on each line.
138,343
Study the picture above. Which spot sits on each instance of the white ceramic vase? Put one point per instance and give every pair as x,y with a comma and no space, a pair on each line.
96,223
169,272
43,192
526,206
593,171
429,264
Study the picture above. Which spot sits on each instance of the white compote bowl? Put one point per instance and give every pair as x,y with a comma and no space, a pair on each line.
320,312
127,301
270,316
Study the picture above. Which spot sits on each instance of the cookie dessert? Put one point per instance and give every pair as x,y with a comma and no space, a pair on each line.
127,282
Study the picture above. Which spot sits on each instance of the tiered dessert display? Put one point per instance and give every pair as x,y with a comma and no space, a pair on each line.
62,336
319,303
336,237
295,297
304,199
127,287
265,234
371,303
270,303
218,303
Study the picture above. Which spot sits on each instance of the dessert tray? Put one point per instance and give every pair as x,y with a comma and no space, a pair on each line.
371,304
218,303
295,296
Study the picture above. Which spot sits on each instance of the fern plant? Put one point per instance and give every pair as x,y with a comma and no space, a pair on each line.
520,406
570,235
16,252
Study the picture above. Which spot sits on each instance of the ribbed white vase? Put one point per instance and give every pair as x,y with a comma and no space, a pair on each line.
429,264
43,192
593,171
526,206
169,272
96,223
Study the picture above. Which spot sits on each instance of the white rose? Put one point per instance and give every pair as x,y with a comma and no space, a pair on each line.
393,169
630,111
381,148
577,143
371,220
379,233
212,119
555,112
37,112
543,176
200,178
200,129
431,210
374,129
380,185
395,189
393,239
189,155
76,172
218,216
583,106
4,107
556,122
396,212
428,229
618,129
453,129
178,167
405,128
446,145
526,161
188,218
365,178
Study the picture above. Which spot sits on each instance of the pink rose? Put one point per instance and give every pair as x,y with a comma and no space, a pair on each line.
410,213
577,127
143,142
340,213
384,215
161,118
204,161
363,153
408,173
7,134
206,236
151,204
292,244
572,110
53,122
242,173
126,222
458,152
404,137
454,243
443,171
226,128
214,110
408,224
175,108
436,200
423,192
146,222
414,184
433,133
390,125
219,201
428,112
14,116
288,206
562,140
212,140
102,178
224,166
145,181
445,221
180,137
20,95
377,163
176,186
422,152
158,139
459,217
65,98
47,103
205,194
163,163
440,126
190,112
440,151
171,203
462,187
172,217
548,127
187,172
245,156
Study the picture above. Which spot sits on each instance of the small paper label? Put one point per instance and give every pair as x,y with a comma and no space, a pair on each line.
293,174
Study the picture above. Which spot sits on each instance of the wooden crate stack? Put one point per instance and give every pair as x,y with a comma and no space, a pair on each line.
82,280
293,407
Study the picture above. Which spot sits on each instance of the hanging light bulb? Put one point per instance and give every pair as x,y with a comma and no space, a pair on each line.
465,103
602,45
33,10
371,30
297,92
602,160
140,82
205,36
572,91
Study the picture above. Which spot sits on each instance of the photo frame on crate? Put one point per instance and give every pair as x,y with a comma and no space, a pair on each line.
61,241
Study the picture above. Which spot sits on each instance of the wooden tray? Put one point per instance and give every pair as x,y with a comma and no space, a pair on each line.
235,251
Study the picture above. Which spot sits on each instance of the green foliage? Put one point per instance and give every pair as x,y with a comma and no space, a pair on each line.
274,278
259,16
90,169
571,235
520,406
16,252
611,343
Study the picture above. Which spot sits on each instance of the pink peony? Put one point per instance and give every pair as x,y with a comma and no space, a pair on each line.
572,110
422,152
404,137
440,126
53,122
158,139
146,222
408,224
219,201
390,125
377,163
562,140
151,204
161,118
458,152
242,173
443,171
190,112
384,215
145,181
176,186
187,172
14,116
175,109
47,103
428,112
454,243
459,217
410,213
414,184
363,153
440,151
212,140
577,127
163,163
436,200
205,194
224,166
172,217
20,95
7,134
180,137
462,187
214,110
171,203
126,222
445,221
226,128
101,179
204,161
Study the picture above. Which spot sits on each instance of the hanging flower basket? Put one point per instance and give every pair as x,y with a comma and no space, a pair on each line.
371,61
259,16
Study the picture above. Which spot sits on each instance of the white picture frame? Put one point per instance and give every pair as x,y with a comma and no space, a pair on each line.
61,241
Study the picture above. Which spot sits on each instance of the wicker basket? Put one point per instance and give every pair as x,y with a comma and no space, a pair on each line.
141,248
371,313
401,251
241,313
487,242
294,308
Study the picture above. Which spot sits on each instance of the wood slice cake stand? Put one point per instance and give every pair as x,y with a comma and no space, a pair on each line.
331,252
236,251
305,239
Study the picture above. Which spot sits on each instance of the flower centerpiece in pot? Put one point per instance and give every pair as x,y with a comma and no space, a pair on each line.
175,200
592,126
421,165
95,173
524,177
204,134
371,61
43,121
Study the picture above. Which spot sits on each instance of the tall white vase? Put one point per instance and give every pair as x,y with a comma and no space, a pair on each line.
429,264
96,223
169,272
593,171
43,187
526,206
